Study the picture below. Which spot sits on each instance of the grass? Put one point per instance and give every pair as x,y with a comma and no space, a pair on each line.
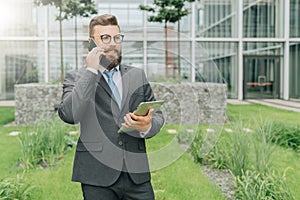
285,160
183,180
6,114
288,163
253,112
180,180
15,188
45,144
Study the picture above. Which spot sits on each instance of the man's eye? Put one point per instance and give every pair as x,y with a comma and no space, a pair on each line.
105,37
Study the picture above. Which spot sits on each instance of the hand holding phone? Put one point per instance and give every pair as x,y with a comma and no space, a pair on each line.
94,49
92,44
94,55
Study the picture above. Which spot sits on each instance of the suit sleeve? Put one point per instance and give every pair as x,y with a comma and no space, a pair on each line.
157,118
78,92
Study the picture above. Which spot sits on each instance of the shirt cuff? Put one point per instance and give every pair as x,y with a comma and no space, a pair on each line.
143,134
92,70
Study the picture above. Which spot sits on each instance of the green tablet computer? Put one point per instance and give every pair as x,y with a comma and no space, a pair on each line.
142,109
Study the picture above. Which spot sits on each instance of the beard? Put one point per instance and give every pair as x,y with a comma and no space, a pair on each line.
111,61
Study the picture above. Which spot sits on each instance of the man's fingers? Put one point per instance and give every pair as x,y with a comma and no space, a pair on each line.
133,121
125,125
128,120
150,112
98,51
138,118
134,117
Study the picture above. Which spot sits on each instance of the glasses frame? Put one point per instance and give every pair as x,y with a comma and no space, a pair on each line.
120,34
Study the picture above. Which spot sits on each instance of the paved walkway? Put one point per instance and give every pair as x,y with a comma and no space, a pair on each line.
293,105
7,103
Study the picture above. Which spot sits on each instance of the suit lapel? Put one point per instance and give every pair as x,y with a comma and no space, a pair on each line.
125,83
102,82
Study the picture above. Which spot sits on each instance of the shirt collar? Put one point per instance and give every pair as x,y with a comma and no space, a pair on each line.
102,69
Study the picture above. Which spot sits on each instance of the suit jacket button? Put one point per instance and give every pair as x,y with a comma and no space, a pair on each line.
120,143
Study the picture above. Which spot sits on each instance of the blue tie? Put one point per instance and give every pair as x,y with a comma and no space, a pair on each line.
112,85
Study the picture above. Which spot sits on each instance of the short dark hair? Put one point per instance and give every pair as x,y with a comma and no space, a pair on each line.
103,20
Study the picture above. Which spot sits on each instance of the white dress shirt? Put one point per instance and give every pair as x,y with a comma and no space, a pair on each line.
117,78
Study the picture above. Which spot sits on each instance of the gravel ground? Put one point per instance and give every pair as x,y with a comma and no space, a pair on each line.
222,179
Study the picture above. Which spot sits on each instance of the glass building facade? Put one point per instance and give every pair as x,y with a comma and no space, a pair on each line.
251,45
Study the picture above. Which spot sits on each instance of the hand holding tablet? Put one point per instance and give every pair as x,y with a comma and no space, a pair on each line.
142,110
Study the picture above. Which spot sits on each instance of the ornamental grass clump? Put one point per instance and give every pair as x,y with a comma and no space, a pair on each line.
263,186
44,144
15,188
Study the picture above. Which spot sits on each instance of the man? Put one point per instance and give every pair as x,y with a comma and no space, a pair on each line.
101,97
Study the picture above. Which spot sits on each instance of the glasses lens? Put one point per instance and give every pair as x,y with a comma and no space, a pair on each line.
105,38
118,38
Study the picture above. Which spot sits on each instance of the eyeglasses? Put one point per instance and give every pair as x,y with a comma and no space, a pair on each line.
106,39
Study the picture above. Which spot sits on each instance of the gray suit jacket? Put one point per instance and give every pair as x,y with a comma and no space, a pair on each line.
102,153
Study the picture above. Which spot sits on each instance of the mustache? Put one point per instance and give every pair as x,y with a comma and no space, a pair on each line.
111,49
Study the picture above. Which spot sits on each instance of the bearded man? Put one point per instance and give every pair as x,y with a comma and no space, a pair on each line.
102,96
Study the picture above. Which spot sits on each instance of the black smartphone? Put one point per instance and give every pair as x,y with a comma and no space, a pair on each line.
92,44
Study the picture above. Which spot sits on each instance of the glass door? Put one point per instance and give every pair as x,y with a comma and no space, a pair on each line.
261,77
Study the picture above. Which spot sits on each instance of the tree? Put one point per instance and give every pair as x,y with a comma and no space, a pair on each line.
75,8
58,4
168,11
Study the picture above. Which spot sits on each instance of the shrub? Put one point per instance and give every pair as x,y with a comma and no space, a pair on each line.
264,186
14,188
186,133
248,156
237,152
207,148
195,147
44,144
263,150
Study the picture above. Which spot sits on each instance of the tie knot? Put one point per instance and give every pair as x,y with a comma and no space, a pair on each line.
109,74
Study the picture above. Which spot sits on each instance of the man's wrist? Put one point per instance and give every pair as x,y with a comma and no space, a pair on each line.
143,134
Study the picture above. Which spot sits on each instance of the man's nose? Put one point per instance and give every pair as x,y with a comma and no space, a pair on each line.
112,42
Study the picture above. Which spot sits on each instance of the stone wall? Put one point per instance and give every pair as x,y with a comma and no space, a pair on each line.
184,103
191,103
35,101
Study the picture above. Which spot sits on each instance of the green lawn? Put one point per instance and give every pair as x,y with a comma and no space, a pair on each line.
253,112
6,115
285,160
180,180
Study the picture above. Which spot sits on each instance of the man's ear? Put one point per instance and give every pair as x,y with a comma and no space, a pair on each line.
89,39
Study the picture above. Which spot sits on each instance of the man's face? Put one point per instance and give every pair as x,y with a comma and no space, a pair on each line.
112,50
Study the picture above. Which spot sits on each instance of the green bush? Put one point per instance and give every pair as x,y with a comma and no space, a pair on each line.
44,144
248,156
237,152
14,189
195,147
208,149
263,186
184,136
250,161
263,150
226,150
